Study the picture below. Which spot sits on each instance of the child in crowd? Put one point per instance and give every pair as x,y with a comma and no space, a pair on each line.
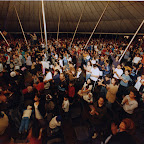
65,104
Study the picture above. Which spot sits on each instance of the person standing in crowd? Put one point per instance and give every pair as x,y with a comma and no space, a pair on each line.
125,78
28,61
112,89
88,70
95,72
129,103
98,112
117,72
79,79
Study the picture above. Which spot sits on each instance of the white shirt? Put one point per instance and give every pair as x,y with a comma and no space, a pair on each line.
136,60
48,76
61,62
69,59
54,123
65,105
138,83
37,113
78,74
119,72
131,106
93,62
45,64
56,56
88,98
27,113
96,72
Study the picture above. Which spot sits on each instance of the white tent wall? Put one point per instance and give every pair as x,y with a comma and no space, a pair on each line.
120,17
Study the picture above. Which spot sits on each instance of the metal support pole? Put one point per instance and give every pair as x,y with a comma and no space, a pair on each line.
96,25
21,26
58,27
44,22
40,26
131,40
4,38
77,25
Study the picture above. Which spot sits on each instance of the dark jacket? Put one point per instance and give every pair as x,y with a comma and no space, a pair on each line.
122,138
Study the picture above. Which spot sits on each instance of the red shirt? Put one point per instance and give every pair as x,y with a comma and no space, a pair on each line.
71,91
40,86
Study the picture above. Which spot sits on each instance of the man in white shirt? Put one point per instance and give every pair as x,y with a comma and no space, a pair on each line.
117,72
94,73
48,76
137,59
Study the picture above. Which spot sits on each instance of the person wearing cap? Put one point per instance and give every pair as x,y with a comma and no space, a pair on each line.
25,119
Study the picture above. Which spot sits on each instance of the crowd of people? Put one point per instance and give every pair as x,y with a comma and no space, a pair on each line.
36,81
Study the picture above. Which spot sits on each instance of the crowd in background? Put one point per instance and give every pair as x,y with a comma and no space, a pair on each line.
35,82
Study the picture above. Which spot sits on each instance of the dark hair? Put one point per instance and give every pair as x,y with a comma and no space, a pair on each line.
95,65
38,95
46,70
88,84
57,71
108,75
66,96
71,82
107,61
41,79
116,81
135,92
127,70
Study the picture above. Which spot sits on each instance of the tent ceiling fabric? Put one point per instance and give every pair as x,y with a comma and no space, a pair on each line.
120,17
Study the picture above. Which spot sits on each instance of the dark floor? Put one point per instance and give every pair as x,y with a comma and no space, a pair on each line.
75,129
